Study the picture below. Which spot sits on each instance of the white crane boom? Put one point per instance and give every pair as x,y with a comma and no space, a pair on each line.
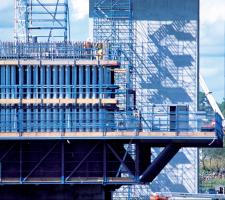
210,97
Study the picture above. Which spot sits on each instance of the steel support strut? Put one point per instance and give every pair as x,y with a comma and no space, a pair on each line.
159,163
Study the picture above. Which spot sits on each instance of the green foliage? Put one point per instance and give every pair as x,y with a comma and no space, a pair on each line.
212,160
222,107
203,103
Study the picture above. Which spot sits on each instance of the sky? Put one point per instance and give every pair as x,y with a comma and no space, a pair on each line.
212,44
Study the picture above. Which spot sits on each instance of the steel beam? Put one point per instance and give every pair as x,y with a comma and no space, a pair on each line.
121,160
159,163
39,163
82,161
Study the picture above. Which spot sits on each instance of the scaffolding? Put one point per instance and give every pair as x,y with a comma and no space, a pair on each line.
83,113
163,58
38,20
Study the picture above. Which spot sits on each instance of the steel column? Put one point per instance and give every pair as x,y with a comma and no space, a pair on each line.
13,96
48,96
28,96
68,95
74,95
55,95
42,95
61,96
8,96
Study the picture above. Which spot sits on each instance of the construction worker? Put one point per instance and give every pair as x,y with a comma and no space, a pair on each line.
99,55
87,48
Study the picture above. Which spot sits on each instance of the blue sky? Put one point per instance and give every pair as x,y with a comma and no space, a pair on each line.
211,36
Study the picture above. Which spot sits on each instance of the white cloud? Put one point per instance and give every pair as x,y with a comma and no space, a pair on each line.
5,4
212,11
80,9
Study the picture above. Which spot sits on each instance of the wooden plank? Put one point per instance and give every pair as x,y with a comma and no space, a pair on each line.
120,70
31,101
112,63
120,179
196,134
83,134
150,135
87,101
120,134
9,101
82,179
10,180
57,62
30,62
42,179
58,101
109,101
158,134
50,101
67,101
9,62
72,179
9,134
106,63
42,134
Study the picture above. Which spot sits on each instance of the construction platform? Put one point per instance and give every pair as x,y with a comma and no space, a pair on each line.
194,139
68,116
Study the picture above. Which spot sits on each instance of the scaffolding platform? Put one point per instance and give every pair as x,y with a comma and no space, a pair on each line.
59,62
195,139
58,101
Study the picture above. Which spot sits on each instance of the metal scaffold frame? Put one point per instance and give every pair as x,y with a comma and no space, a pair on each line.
37,20
102,113
163,59
113,23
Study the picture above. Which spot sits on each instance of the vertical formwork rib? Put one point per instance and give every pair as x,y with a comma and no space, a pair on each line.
52,95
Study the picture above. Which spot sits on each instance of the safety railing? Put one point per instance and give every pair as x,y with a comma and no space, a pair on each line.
96,118
56,50
60,91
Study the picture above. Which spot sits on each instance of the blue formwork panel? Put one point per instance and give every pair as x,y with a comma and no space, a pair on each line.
29,92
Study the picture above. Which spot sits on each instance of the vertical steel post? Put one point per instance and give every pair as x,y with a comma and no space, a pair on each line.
3,97
28,95
81,109
107,81
68,96
101,96
48,96
94,96
88,110
36,96
13,96
61,96
62,162
74,95
42,117
55,96
21,90
21,162
8,96
104,162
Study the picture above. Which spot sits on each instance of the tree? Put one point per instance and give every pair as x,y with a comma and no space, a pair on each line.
222,107
204,103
